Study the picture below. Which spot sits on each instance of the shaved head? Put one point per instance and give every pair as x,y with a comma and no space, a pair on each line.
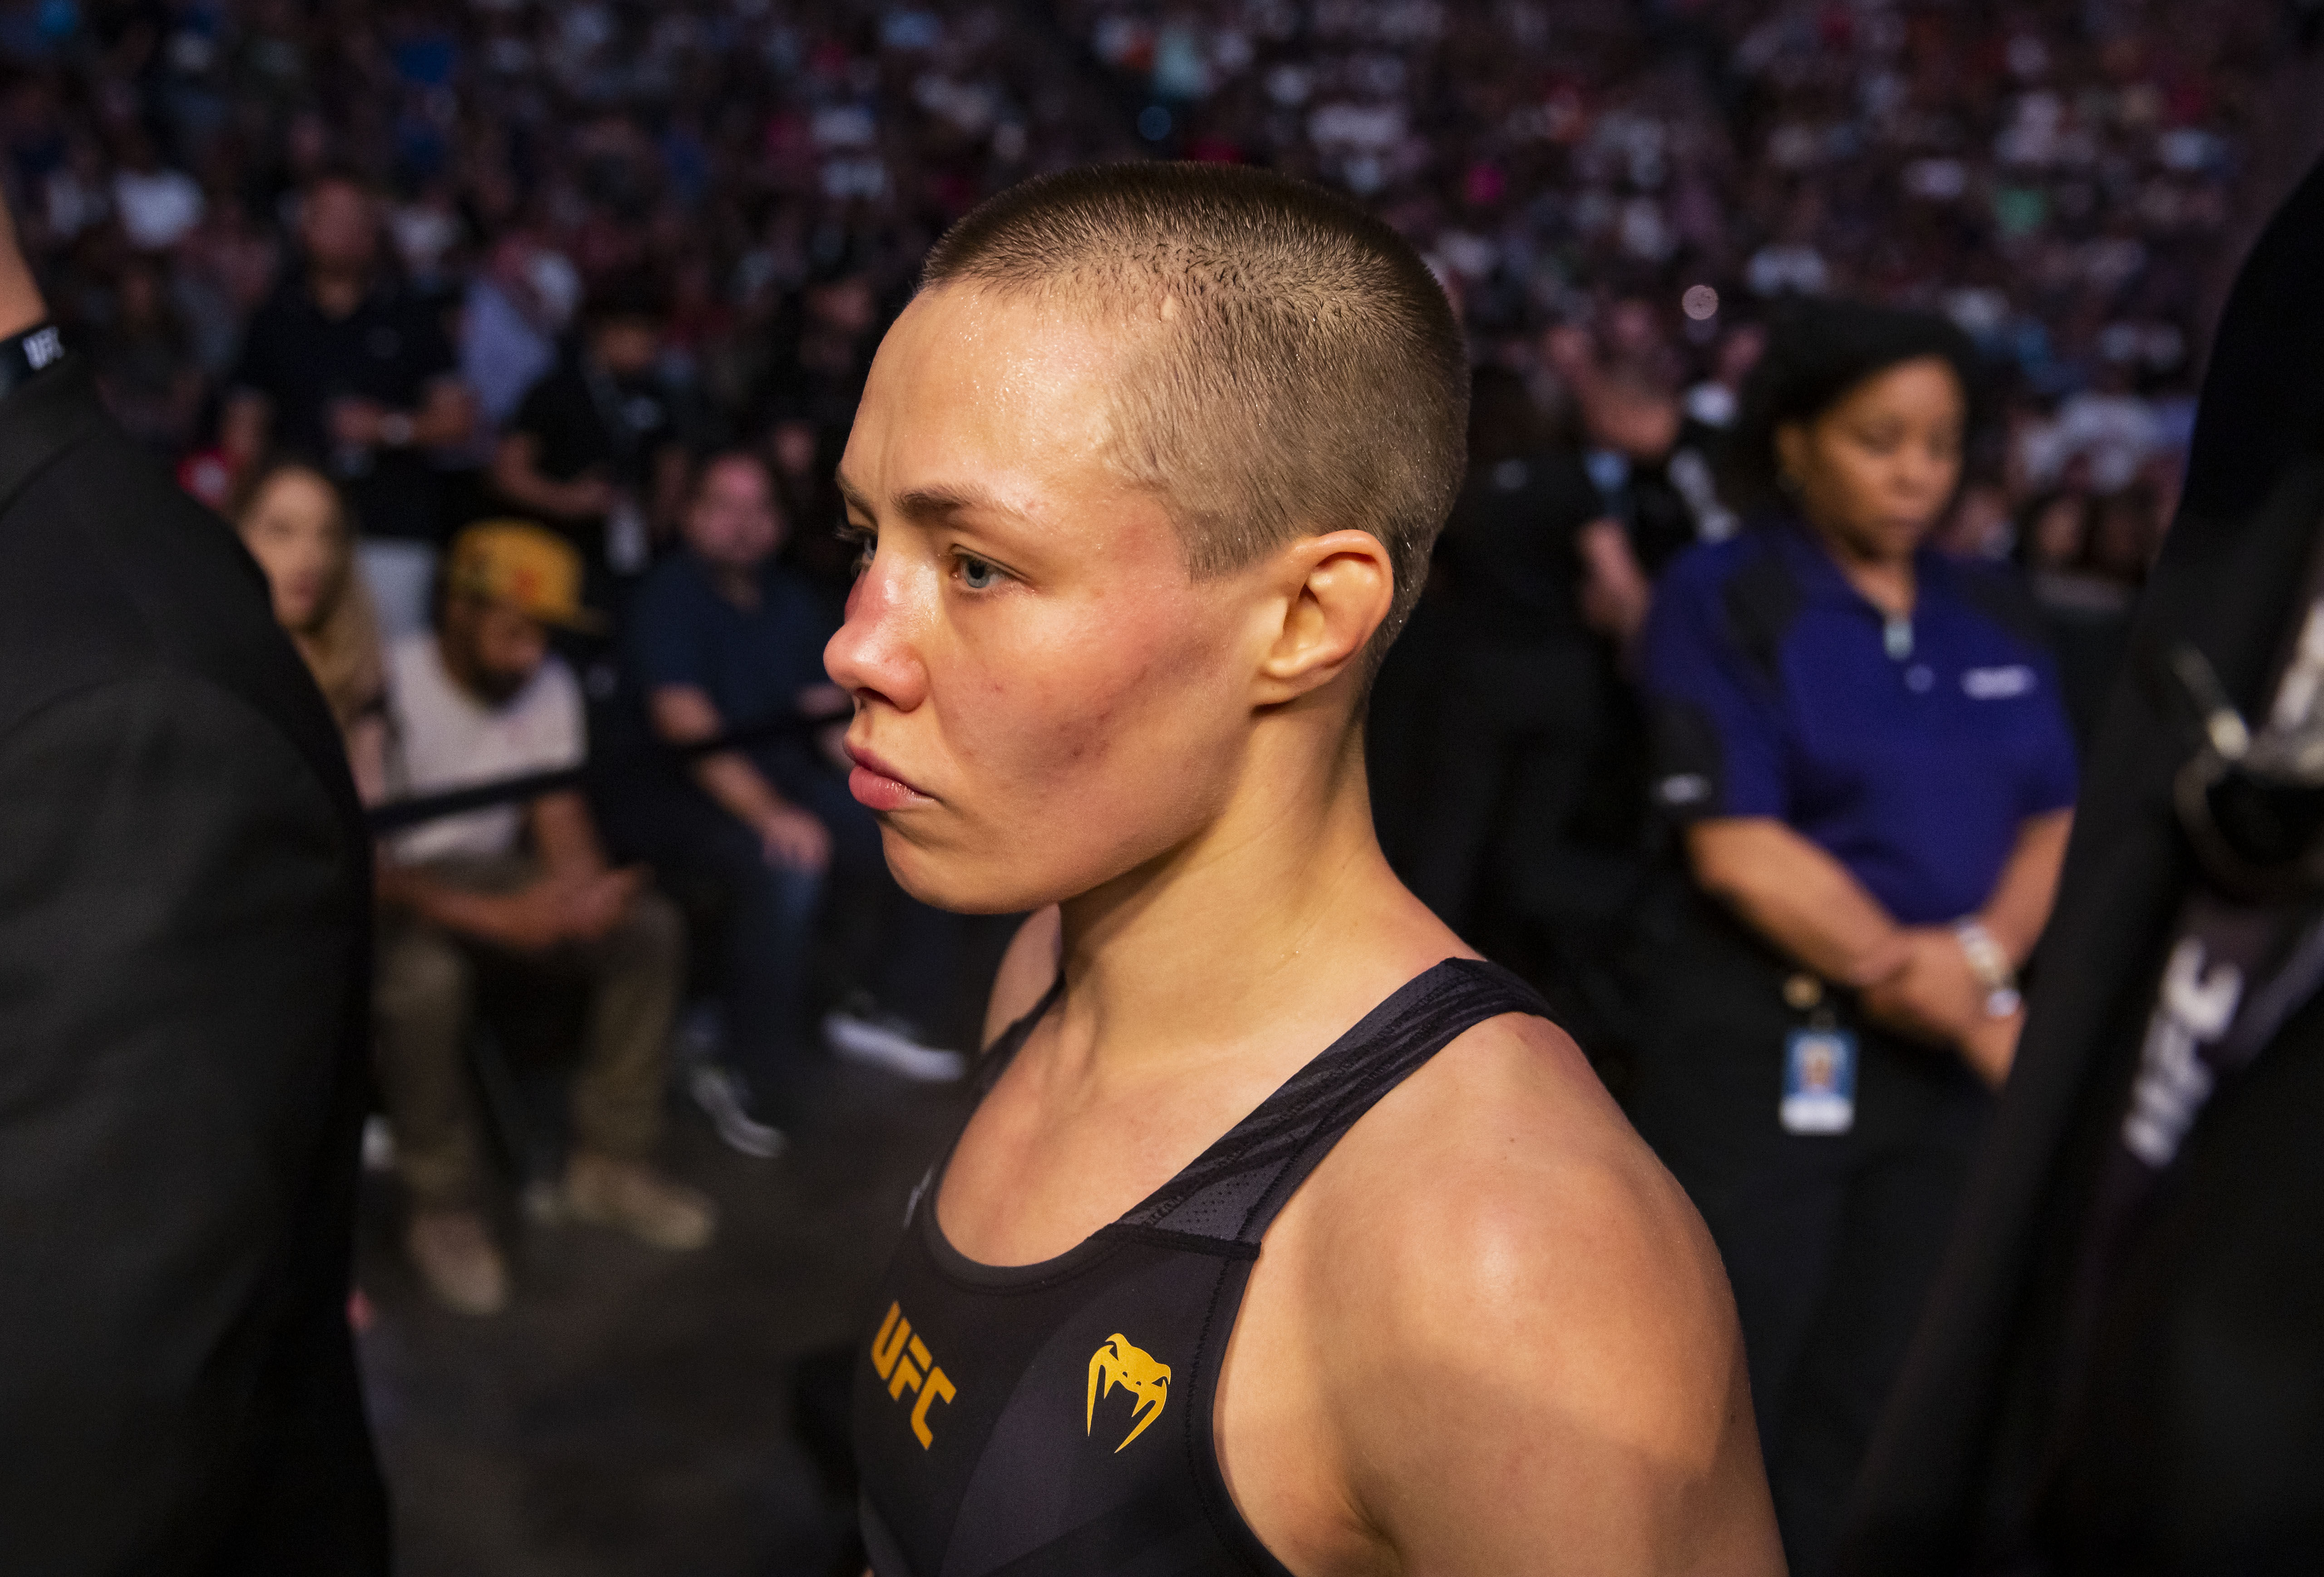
1291,367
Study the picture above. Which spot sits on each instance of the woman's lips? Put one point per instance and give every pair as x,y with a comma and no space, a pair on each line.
876,785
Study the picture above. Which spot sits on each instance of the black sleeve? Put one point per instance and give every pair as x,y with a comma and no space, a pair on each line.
431,353
254,371
535,414
175,963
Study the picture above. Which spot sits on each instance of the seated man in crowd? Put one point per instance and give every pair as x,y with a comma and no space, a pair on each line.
481,698
722,637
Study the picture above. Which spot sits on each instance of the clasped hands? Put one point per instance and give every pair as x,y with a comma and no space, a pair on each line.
1923,988
579,908
791,836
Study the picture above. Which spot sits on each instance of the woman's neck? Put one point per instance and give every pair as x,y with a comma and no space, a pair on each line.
1889,583
1197,948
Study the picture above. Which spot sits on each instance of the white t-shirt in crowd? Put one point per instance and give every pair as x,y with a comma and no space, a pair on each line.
445,738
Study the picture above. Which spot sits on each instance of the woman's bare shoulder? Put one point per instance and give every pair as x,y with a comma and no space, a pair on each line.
1507,1151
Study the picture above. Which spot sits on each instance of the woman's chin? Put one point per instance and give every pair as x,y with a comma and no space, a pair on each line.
960,884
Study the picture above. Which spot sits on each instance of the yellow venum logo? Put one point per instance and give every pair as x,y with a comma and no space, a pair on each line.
1118,1363
903,1361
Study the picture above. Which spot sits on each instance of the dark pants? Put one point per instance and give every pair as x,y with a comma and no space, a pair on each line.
770,912
1832,1241
425,1003
884,941
868,934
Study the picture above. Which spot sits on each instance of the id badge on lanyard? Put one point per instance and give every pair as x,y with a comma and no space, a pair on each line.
1820,1064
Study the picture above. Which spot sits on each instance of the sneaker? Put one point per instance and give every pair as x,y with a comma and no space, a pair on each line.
860,1032
378,1144
724,1099
634,1198
455,1254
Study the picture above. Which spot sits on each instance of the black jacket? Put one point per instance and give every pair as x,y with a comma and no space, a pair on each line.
184,916
2198,1446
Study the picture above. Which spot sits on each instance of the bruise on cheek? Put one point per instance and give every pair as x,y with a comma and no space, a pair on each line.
1081,723
1088,731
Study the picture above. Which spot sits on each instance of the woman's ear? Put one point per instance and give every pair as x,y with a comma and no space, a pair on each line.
1333,591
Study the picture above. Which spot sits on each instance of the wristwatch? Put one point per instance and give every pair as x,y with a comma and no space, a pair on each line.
1989,963
25,356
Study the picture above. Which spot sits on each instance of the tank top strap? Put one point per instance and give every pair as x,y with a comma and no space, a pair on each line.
995,1059
1233,1190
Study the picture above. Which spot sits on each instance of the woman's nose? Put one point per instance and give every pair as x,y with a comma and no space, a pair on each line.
872,654
1921,476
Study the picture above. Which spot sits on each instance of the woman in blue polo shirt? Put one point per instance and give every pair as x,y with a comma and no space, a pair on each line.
1864,746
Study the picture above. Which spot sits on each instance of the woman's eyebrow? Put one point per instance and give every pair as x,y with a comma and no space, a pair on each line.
944,500
933,502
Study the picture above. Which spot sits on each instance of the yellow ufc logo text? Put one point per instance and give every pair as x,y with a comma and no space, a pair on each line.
902,1359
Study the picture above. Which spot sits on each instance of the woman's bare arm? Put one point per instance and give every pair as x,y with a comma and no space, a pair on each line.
2020,904
1798,896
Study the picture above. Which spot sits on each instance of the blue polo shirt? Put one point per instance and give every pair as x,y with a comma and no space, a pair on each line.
1911,755
751,662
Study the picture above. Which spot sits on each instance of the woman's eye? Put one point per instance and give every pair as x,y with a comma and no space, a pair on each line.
976,575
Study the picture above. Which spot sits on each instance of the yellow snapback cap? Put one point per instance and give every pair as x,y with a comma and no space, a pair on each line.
526,567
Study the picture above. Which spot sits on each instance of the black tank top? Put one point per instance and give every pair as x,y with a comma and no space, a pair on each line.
1056,1418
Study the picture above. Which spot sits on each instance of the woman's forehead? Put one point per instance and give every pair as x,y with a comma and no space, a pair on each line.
991,399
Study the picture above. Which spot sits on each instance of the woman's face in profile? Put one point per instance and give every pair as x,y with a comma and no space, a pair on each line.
1874,473
291,527
1045,698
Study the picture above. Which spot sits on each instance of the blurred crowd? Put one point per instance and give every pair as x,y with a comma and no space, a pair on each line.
2050,175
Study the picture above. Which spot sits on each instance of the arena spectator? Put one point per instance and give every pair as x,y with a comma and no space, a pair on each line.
1524,825
524,886
1625,394
157,206
1864,744
344,368
816,381
146,366
724,637
2085,605
517,304
595,447
1522,719
293,522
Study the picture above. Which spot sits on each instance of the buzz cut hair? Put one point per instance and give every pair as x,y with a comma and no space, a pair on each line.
1292,366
